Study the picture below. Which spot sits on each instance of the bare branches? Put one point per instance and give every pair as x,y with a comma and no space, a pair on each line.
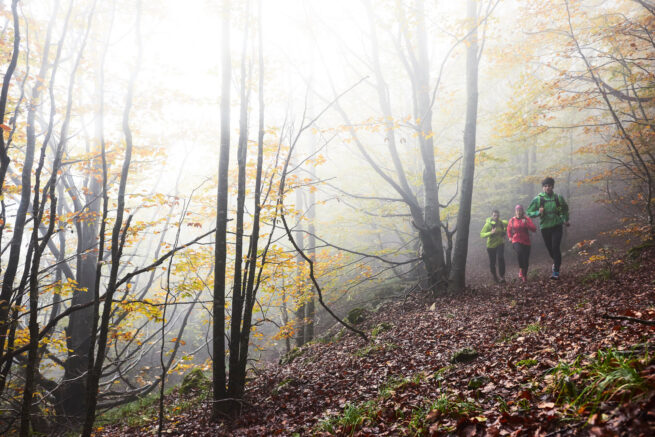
629,319
315,282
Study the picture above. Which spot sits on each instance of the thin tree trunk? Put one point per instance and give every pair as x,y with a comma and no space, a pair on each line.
251,286
100,131
118,241
38,206
4,156
234,388
82,324
310,306
220,252
458,271
300,240
26,187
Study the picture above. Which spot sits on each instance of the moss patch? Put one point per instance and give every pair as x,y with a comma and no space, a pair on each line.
465,355
356,316
194,381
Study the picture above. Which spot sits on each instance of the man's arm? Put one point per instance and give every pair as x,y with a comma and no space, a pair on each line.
533,208
564,210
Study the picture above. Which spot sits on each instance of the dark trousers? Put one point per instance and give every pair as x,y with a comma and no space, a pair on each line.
552,239
523,255
497,253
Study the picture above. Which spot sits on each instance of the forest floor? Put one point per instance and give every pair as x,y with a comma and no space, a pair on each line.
510,359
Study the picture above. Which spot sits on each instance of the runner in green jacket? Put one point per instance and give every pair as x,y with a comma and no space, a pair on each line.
553,212
494,231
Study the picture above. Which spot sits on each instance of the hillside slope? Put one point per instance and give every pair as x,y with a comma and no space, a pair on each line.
507,359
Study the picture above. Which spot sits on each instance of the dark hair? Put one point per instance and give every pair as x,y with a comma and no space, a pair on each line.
548,181
496,211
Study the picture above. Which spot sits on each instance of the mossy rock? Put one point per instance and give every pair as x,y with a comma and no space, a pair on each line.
194,381
477,381
356,315
289,357
465,355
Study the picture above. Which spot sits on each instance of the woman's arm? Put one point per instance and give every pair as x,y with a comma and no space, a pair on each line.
486,230
531,225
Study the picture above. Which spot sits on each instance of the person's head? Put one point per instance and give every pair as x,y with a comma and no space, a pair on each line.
547,185
495,214
519,211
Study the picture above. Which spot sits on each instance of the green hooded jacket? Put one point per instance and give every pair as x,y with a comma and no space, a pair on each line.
553,215
494,239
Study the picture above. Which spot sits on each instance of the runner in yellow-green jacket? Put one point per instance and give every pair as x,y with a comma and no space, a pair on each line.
494,230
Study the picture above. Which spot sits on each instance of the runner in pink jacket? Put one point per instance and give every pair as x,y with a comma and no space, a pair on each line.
518,232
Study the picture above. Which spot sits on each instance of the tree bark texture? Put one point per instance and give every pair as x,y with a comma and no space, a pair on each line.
458,271
220,250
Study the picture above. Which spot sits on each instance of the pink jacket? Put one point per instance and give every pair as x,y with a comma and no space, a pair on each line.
517,230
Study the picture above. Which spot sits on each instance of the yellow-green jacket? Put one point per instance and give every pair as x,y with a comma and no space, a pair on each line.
494,239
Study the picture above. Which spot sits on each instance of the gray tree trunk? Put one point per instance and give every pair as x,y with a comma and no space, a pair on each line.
220,250
458,271
430,231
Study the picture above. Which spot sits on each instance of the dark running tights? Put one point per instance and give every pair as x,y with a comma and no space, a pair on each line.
552,239
523,255
497,253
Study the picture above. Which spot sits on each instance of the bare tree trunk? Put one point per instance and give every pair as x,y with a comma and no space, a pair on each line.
234,388
81,328
26,187
526,187
4,166
119,233
533,171
310,306
220,252
4,156
430,233
251,265
458,271
38,206
300,240
90,395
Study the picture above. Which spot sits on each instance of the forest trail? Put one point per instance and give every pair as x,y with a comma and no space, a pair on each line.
410,380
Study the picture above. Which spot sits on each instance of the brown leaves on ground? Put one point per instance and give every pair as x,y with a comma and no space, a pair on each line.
412,388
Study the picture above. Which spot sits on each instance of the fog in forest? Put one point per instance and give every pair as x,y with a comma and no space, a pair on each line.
368,143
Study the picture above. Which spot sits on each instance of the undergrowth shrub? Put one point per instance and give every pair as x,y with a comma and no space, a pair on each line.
608,376
353,417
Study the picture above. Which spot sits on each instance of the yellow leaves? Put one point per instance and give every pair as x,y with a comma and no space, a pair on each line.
64,288
146,308
596,258
287,330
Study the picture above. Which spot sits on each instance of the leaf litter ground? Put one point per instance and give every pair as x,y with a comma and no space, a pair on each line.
405,382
